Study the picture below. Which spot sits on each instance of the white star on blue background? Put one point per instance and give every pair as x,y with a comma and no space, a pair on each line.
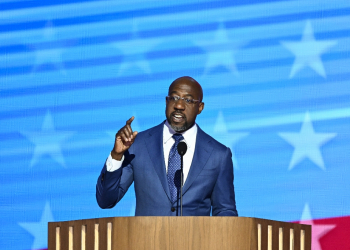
221,51
48,141
226,138
134,51
307,143
48,55
308,51
39,229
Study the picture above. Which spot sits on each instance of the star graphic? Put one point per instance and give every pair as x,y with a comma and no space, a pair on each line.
221,51
45,53
134,51
226,138
308,51
318,230
307,143
47,141
39,229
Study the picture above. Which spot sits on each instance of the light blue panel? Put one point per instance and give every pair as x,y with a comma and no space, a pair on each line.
275,75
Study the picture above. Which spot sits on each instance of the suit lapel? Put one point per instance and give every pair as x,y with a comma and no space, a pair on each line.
154,145
201,155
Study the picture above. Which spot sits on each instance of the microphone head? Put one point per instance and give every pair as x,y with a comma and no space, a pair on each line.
182,148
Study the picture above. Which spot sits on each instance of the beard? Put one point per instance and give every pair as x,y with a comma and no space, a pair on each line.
179,128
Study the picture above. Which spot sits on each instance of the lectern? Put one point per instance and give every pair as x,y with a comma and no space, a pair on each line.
178,233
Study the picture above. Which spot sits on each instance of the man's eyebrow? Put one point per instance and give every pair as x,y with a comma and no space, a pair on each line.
175,92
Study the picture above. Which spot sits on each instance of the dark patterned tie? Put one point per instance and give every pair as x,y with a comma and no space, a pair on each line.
174,164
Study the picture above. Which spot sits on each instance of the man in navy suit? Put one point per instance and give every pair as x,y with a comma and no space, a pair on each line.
149,159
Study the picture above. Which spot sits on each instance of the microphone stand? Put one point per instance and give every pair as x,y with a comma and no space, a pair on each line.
181,149
182,182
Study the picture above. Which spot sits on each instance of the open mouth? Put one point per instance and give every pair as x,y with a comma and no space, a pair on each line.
178,117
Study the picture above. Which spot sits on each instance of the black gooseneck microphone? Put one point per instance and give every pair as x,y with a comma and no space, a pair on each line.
181,149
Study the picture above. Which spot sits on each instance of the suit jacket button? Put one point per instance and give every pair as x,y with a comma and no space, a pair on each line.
102,177
173,209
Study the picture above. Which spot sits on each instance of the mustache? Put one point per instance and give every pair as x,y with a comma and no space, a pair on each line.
178,113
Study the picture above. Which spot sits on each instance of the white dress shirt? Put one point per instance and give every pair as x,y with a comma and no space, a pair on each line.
190,137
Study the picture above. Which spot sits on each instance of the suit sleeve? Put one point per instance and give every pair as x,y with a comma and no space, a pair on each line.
223,196
112,186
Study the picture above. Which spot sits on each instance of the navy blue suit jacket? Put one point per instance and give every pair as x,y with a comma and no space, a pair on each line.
209,184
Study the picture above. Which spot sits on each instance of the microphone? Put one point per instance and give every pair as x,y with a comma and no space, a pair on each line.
181,149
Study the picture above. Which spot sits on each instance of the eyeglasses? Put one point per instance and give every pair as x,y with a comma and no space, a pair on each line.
175,98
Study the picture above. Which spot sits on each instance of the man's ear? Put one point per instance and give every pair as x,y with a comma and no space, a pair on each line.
201,107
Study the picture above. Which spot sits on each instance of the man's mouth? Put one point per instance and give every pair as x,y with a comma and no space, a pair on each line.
178,117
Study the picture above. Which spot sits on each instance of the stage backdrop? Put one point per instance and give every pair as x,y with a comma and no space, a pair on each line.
276,80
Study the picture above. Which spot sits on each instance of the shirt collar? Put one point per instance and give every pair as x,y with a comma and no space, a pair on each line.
189,135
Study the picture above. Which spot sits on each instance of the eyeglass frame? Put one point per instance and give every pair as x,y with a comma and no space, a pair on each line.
177,98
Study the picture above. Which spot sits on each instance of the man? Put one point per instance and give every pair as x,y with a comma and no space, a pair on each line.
150,160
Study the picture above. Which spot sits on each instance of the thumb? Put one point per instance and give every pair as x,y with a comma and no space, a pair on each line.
134,134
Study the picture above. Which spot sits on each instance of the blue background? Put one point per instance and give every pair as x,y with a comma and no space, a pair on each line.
276,80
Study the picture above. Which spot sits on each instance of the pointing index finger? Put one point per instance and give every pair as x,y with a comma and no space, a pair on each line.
128,122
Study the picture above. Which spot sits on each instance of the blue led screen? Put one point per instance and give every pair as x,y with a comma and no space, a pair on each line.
276,81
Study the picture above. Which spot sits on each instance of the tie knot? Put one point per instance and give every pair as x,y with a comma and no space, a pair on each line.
178,137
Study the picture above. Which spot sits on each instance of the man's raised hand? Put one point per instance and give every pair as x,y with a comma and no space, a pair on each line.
123,140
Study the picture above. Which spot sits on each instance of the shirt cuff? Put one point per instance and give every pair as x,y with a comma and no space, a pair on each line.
112,164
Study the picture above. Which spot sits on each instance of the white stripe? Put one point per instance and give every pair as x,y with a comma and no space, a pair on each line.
167,20
236,125
322,115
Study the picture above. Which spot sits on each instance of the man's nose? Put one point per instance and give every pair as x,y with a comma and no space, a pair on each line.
180,104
